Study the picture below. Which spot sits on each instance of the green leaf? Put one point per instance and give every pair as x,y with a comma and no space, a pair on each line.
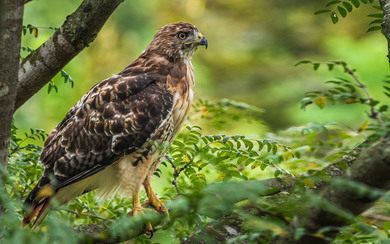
377,21
379,16
263,166
303,62
226,138
334,17
322,11
274,150
261,145
255,165
305,102
350,87
355,3
333,82
316,66
333,2
374,103
378,7
348,6
269,147
342,11
383,108
248,144
374,28
249,161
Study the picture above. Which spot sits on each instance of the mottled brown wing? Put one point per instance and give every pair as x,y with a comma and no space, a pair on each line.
113,119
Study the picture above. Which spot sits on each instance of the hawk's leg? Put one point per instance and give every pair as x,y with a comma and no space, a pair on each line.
153,200
138,209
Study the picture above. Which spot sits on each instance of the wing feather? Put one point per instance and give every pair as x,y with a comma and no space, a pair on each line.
115,118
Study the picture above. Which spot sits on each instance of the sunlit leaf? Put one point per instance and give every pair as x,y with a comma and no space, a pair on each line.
320,102
363,127
308,183
35,32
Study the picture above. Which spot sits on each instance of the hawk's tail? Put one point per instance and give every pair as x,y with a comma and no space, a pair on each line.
36,204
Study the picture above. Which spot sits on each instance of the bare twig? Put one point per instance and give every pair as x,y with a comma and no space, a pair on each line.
85,215
374,114
175,175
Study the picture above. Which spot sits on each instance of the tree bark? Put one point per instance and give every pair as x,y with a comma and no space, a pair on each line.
11,33
77,32
363,184
10,36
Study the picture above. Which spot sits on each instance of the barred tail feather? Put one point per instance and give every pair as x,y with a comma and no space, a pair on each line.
37,204
37,209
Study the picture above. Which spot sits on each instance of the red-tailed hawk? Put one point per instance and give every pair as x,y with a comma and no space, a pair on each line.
113,138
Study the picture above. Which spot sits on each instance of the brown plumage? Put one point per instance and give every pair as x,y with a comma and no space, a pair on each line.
113,138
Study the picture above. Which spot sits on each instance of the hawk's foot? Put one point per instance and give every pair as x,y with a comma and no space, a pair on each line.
157,204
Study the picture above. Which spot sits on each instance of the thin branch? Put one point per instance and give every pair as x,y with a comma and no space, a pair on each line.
374,114
175,175
85,215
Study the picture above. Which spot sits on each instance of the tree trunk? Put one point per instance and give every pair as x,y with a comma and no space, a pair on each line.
10,36
9,63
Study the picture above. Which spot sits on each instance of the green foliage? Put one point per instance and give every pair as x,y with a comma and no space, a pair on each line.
31,29
337,8
67,78
227,155
346,91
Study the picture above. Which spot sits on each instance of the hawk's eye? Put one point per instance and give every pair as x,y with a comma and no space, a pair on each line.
182,35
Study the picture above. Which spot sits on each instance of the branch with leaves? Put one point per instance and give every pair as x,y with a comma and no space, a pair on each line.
76,33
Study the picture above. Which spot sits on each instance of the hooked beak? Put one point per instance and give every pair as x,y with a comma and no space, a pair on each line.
202,40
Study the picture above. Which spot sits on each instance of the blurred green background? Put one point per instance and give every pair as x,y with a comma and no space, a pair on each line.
253,46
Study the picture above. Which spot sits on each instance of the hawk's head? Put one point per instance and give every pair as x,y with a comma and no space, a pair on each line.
177,41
